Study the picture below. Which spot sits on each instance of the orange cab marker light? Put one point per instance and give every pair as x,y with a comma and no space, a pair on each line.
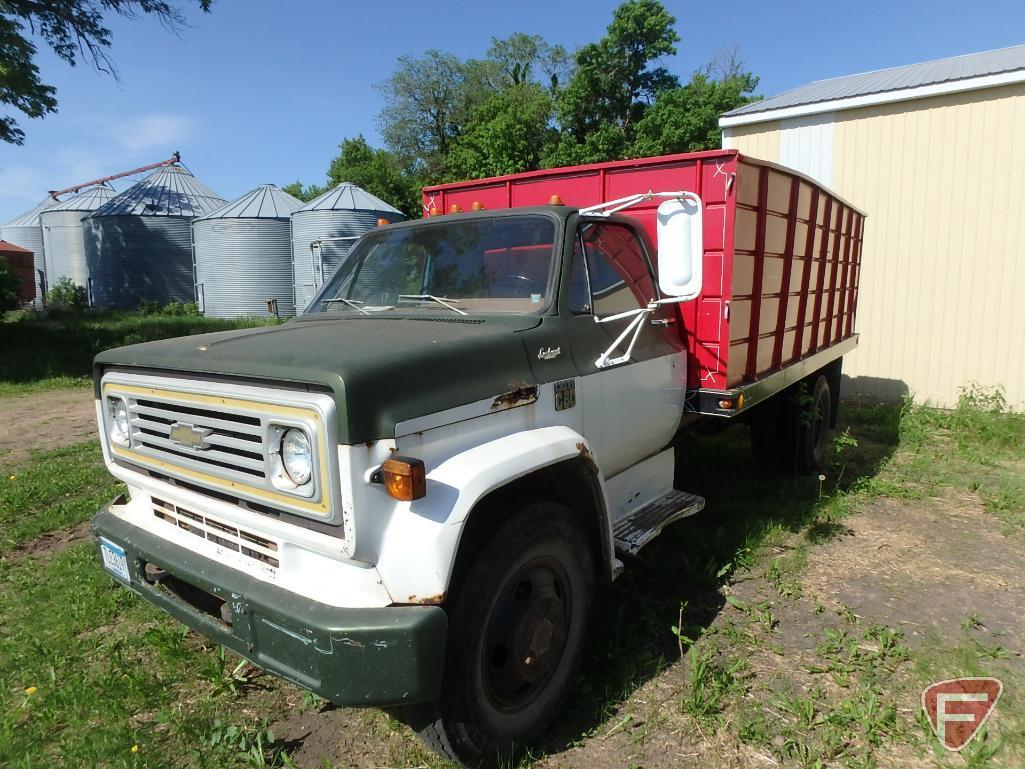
455,209
555,200
477,206
433,211
405,478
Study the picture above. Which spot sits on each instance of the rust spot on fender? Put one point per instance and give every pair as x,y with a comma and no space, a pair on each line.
587,456
521,396
431,599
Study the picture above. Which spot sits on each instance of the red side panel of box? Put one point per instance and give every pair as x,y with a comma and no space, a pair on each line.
781,254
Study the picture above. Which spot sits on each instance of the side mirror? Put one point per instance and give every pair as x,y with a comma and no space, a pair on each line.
680,247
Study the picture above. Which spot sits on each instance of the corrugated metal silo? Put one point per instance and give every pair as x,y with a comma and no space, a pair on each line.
64,238
139,244
26,232
244,255
342,213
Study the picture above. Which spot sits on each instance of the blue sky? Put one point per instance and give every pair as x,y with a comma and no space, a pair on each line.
260,91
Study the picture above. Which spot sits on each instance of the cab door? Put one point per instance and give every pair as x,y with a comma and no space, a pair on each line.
631,410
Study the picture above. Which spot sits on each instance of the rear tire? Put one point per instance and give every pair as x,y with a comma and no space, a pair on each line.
813,428
517,625
790,433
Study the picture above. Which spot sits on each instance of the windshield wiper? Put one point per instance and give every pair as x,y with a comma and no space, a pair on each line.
354,304
438,299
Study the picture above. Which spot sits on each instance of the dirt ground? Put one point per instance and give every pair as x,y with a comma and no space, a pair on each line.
920,568
43,421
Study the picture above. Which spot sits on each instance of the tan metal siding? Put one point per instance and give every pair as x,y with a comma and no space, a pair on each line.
941,298
945,255
760,140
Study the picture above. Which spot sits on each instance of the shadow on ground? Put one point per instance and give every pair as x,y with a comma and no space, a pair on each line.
680,575
685,568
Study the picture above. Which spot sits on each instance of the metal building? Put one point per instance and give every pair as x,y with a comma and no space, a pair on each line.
244,255
21,263
325,228
138,245
932,152
64,238
25,231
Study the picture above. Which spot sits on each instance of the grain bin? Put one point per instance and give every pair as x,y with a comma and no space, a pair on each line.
64,237
138,245
244,255
26,232
335,220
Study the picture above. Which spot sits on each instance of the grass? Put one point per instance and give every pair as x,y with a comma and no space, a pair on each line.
54,490
724,592
49,352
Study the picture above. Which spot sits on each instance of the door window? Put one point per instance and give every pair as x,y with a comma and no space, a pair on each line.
610,271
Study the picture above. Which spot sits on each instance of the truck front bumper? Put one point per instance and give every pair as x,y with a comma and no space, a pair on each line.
352,657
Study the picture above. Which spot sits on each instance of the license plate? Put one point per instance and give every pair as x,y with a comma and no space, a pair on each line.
114,559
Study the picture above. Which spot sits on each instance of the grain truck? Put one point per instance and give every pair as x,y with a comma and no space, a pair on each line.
408,496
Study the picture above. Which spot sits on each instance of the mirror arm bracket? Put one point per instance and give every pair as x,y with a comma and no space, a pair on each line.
614,206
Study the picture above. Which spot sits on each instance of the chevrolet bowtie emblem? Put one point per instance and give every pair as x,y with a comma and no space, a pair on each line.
189,436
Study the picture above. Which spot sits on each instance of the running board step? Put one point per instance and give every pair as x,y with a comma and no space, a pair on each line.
644,524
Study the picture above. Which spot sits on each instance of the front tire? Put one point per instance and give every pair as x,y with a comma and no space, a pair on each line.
517,625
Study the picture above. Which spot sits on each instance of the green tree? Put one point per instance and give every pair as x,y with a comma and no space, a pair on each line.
427,101
506,134
686,119
377,171
305,193
522,58
73,29
66,295
614,81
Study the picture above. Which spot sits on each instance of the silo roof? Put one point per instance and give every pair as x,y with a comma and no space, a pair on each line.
348,197
265,202
89,200
31,217
169,191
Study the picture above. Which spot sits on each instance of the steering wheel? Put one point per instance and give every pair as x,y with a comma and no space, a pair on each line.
515,283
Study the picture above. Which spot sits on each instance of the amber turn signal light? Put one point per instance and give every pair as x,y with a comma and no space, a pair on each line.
404,478
382,222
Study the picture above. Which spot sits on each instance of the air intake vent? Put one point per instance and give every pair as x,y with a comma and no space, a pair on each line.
224,534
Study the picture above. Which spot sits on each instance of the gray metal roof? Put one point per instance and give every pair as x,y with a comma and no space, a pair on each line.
265,202
168,191
89,200
893,79
348,197
31,217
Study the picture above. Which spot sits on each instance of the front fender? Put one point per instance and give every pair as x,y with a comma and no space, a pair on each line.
418,550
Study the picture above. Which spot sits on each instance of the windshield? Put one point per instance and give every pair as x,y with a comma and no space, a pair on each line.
479,265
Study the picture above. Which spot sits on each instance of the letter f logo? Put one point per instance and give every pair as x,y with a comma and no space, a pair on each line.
957,708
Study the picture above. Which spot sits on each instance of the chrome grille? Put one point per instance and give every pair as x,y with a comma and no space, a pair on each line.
223,439
224,534
232,442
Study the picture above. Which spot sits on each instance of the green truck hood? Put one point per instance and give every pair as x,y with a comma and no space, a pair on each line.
382,370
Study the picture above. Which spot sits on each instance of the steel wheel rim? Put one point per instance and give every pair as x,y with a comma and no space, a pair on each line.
525,636
819,427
